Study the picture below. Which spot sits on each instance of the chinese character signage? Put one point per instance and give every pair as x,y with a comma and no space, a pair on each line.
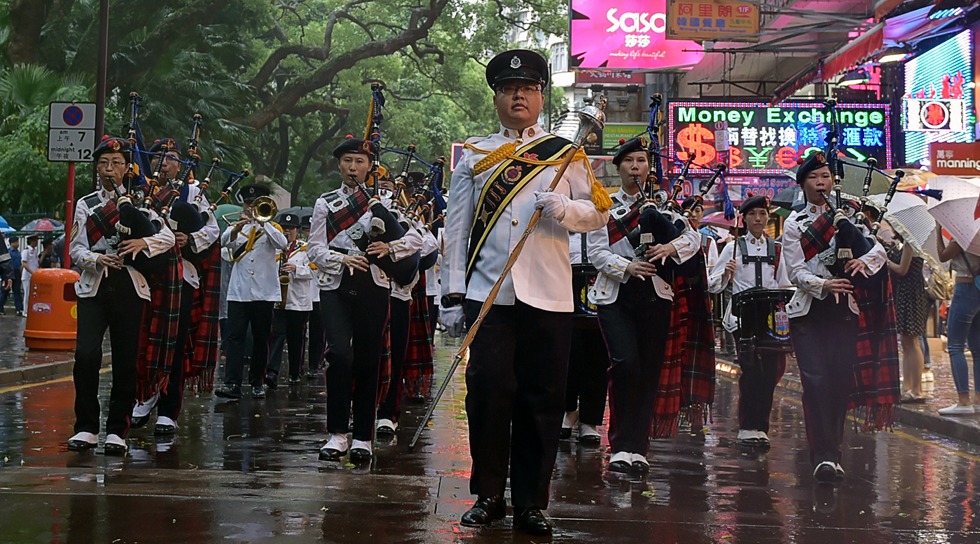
953,159
712,20
766,140
626,35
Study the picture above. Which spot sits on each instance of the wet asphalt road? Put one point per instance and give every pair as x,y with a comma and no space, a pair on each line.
248,472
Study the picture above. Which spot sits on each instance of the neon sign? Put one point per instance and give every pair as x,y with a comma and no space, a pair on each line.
767,140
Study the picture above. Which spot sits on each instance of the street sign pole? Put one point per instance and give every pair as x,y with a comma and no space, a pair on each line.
69,214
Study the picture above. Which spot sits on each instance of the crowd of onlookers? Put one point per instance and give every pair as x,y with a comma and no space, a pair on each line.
19,264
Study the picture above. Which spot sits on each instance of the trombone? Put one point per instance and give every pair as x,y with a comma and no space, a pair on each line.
263,210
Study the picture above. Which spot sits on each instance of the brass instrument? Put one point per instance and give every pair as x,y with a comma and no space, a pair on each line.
263,210
283,277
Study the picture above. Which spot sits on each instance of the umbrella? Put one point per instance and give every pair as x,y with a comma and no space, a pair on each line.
43,225
909,210
5,226
717,219
854,174
791,198
955,211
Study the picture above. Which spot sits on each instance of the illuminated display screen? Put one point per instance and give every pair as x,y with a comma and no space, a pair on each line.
937,102
767,140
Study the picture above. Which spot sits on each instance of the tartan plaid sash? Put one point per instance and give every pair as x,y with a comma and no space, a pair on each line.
623,219
687,378
816,238
417,368
202,345
161,315
876,376
101,222
342,213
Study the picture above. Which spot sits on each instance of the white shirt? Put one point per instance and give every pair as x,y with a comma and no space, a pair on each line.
542,275
302,286
85,255
255,276
611,260
433,285
330,263
30,261
744,277
810,277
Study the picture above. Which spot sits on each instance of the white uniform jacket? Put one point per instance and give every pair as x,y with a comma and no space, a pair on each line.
810,277
542,275
29,262
302,286
201,239
773,277
611,260
428,245
85,255
255,276
329,263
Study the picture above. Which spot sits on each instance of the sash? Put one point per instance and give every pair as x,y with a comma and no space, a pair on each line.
253,236
504,183
344,212
101,222
623,219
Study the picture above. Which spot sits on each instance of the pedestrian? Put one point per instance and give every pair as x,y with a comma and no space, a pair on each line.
11,284
905,268
518,361
962,323
754,266
112,295
824,316
633,303
292,315
30,261
252,292
353,299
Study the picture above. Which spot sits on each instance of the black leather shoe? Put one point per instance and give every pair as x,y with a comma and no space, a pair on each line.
139,421
641,468
229,392
258,392
485,511
272,382
360,456
532,521
566,433
589,440
620,466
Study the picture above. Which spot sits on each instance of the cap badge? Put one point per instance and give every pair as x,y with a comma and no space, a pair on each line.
515,62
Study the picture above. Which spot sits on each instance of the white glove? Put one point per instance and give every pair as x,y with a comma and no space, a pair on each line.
552,204
453,319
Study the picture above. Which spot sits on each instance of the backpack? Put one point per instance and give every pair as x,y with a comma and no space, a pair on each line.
939,284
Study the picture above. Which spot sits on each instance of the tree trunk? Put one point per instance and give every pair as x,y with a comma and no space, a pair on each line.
311,151
26,20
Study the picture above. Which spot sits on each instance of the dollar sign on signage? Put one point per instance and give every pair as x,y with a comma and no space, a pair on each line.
698,140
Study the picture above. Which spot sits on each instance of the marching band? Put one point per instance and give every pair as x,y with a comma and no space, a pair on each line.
624,278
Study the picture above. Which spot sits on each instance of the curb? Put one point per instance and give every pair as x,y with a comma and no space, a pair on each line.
919,419
40,373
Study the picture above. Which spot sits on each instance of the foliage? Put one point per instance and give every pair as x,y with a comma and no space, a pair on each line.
279,83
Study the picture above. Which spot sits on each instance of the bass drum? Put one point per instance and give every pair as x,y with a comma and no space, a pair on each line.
583,276
763,324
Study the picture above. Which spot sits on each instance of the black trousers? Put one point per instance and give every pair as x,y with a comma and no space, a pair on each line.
354,316
119,309
825,341
241,315
317,339
171,399
390,407
288,327
588,366
756,387
515,388
635,329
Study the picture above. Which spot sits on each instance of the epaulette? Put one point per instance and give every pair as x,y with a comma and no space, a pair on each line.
475,139
92,200
328,195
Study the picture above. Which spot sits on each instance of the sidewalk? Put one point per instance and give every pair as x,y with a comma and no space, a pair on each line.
19,365
941,393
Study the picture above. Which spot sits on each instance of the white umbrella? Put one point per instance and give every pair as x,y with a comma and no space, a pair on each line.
955,211
909,210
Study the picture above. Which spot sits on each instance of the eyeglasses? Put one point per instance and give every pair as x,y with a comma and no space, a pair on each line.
513,88
114,164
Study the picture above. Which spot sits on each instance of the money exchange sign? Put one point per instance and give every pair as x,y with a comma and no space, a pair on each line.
767,140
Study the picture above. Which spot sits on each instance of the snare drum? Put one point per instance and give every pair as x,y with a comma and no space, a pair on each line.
583,276
762,319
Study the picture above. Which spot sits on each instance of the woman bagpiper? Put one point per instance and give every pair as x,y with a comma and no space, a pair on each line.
634,309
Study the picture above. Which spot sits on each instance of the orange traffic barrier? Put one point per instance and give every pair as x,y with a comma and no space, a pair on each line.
52,310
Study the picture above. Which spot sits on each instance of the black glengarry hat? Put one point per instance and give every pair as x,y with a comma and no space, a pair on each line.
625,148
519,64
110,144
162,144
753,202
358,146
248,193
813,162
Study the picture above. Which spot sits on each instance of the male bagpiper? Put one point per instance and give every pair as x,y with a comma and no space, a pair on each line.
752,262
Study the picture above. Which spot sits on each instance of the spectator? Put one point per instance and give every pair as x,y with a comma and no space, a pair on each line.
963,323
910,310
48,258
10,281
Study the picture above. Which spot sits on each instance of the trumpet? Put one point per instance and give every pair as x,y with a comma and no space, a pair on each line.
263,210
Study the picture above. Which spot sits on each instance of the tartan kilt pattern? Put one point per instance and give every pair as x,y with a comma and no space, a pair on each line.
622,227
816,237
876,376
160,322
417,369
687,378
201,350
341,219
102,222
